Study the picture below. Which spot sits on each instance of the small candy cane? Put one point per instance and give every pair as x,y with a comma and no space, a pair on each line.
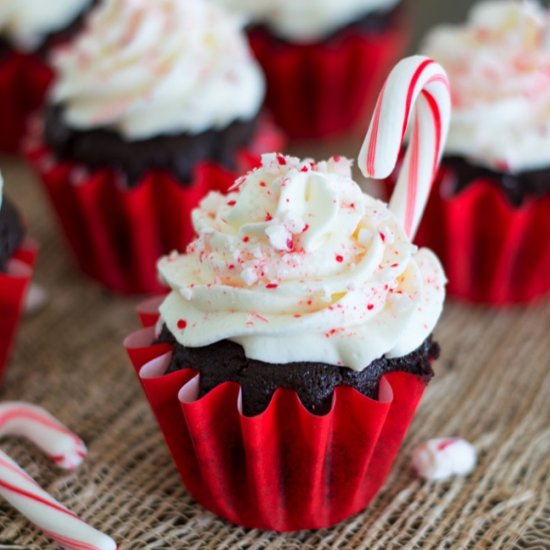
34,423
22,492
414,81
61,525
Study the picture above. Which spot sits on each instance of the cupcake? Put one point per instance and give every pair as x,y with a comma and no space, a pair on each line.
324,60
489,217
29,29
16,263
286,363
154,105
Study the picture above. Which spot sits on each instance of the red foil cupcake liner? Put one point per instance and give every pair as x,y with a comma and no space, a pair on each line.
324,89
13,290
285,469
493,252
24,81
117,234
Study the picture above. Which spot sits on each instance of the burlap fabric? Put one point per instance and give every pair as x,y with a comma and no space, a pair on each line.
492,387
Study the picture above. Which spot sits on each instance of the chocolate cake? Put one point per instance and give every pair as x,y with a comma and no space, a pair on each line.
373,22
517,187
177,154
314,383
11,232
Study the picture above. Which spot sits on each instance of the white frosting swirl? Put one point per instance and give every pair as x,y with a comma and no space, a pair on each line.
147,68
306,20
26,23
499,67
297,264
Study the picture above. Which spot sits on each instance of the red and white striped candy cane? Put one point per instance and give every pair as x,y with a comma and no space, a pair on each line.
415,81
34,423
61,525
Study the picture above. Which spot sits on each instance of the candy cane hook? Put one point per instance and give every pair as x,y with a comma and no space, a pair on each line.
34,423
415,82
22,492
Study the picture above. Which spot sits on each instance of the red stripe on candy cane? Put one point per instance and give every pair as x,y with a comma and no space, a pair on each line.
413,181
21,492
410,93
415,83
375,124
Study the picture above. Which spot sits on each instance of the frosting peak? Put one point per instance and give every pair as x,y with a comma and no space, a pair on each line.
499,67
295,263
147,68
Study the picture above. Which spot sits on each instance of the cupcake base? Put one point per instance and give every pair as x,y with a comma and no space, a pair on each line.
118,233
13,289
284,469
493,251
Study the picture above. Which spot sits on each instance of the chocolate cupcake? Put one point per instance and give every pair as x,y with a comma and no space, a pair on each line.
324,60
291,276
287,362
289,358
16,262
148,99
489,216
29,30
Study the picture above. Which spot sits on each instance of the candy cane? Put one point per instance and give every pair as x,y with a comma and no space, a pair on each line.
34,423
61,525
414,81
21,491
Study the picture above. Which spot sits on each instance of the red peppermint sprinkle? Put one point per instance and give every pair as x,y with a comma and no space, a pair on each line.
394,265
182,324
281,160
339,258
445,443
304,169
337,158
230,266
306,227
297,315
382,236
271,286
231,203
268,217
370,307
289,244
263,184
246,238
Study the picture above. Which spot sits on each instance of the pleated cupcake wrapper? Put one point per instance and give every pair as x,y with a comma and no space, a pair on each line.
118,234
24,80
493,252
285,469
13,289
324,89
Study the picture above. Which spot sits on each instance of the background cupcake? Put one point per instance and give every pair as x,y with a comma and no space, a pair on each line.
154,104
16,262
324,60
489,217
29,29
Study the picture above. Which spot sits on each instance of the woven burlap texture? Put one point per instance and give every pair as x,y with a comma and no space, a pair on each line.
492,387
